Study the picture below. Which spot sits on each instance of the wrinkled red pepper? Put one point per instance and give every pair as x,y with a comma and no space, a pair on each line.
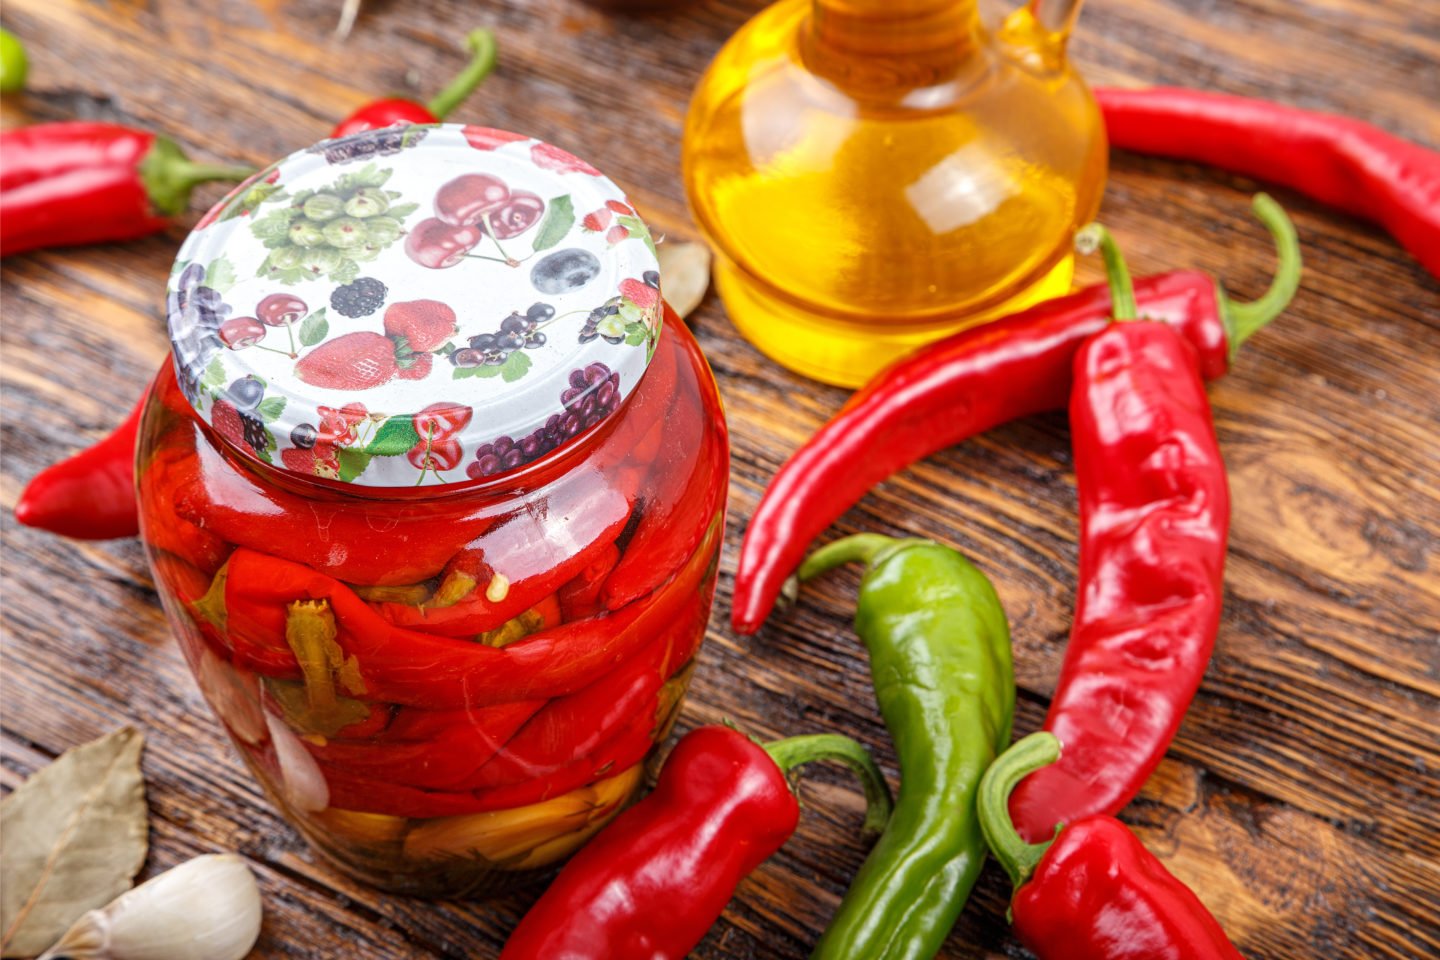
1340,161
384,113
1093,892
79,182
968,383
408,667
580,597
532,564
652,882
1154,515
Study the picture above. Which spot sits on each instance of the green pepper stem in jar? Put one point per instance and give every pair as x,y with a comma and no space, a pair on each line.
450,686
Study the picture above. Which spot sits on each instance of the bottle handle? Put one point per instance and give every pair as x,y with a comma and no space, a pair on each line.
1037,32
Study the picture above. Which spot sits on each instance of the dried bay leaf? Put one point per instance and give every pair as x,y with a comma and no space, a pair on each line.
685,274
72,838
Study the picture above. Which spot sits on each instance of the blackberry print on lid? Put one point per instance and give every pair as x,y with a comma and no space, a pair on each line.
415,305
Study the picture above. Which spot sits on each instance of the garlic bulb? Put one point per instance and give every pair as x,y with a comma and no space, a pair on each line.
207,908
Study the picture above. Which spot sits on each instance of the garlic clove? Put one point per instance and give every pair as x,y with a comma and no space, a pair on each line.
207,908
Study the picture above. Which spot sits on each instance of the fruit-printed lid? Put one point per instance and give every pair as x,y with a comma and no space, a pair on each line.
414,305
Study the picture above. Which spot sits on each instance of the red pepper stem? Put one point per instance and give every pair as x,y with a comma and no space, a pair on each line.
793,751
1122,289
169,176
1243,319
1027,755
482,60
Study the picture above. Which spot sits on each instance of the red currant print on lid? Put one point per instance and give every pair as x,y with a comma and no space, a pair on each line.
278,309
488,138
237,333
436,244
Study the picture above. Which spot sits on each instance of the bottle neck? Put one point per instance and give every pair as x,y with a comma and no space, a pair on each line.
891,44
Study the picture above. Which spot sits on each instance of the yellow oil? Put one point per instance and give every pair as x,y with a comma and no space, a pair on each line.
875,174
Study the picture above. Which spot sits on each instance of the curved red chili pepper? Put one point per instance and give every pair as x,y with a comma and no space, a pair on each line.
532,564
580,597
652,882
1154,514
1339,161
384,113
967,384
1093,892
71,183
90,495
404,666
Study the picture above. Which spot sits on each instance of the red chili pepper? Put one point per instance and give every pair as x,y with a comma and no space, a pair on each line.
329,535
967,384
515,564
383,113
680,483
65,184
90,495
1154,514
652,882
397,665
1336,160
580,597
1093,892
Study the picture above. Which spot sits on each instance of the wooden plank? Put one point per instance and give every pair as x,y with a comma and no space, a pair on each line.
1301,795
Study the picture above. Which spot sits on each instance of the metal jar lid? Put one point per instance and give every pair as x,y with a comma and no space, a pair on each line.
414,305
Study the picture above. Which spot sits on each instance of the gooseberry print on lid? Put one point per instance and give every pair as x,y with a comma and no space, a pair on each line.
414,305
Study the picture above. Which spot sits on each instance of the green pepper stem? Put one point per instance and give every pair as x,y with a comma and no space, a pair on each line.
481,44
1242,320
1027,755
793,751
862,547
1117,273
169,176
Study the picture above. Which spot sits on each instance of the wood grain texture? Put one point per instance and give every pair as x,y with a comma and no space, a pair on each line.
1302,796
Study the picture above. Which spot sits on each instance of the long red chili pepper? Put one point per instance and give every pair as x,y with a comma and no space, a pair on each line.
91,495
1093,892
1339,161
967,384
383,113
1154,514
65,184
652,882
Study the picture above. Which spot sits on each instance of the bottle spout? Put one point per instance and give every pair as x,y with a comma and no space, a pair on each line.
1036,34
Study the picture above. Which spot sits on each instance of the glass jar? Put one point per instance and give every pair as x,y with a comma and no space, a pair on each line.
443,622
877,174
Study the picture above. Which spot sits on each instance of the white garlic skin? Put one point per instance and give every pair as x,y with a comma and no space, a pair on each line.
207,908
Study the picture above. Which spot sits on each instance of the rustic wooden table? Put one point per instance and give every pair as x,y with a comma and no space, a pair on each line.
1301,799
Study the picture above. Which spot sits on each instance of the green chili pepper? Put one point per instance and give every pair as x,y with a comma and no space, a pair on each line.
13,62
940,660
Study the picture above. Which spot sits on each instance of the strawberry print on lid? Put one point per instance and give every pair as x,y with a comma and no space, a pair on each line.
419,305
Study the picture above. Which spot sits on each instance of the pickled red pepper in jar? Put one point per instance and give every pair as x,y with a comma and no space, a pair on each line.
433,495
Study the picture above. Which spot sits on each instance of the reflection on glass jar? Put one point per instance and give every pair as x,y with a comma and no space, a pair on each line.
442,689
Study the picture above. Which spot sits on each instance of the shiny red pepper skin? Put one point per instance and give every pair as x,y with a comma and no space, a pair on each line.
90,495
1154,513
383,113
652,882
1098,894
65,184
966,384
1093,892
1339,161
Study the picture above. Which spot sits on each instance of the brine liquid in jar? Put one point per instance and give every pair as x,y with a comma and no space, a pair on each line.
875,174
